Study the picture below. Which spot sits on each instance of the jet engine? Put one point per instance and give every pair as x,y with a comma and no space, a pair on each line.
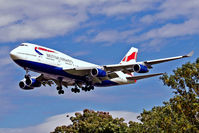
140,68
29,83
96,72
32,82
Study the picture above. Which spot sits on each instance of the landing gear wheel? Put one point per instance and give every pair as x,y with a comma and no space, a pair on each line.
60,92
75,90
91,87
88,88
58,88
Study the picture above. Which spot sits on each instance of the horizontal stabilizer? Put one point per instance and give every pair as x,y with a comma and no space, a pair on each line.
143,76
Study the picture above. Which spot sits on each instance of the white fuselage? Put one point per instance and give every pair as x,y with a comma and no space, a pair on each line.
51,63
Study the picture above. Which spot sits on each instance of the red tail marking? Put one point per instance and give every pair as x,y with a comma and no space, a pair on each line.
132,56
124,58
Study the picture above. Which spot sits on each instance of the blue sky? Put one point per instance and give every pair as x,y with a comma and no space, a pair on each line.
101,32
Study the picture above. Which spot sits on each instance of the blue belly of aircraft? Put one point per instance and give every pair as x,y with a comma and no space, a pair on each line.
40,67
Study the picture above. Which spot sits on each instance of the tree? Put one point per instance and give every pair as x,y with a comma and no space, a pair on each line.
94,122
181,113
185,79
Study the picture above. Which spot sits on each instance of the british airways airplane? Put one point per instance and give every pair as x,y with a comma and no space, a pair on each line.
63,70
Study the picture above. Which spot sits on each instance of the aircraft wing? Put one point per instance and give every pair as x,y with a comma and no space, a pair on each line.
152,62
128,67
144,76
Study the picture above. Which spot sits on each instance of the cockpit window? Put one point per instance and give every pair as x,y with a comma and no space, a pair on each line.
23,44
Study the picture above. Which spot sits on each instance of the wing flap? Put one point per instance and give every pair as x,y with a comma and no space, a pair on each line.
144,76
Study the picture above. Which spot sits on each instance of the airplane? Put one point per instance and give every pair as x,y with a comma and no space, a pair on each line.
58,68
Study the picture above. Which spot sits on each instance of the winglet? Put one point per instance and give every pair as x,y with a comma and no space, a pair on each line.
189,54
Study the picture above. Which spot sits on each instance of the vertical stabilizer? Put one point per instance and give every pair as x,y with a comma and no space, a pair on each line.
130,57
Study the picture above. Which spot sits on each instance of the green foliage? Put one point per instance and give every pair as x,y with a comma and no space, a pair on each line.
179,115
94,122
185,79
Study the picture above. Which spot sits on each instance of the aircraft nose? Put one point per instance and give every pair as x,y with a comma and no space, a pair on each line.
13,54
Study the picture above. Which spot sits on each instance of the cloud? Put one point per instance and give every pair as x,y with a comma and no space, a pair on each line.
166,21
51,123
22,21
5,80
189,27
119,7
80,53
169,10
109,36
19,20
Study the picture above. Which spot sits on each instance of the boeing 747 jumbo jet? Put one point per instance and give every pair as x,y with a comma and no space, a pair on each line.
63,70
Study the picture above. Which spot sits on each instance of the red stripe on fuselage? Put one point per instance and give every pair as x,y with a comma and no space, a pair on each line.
43,49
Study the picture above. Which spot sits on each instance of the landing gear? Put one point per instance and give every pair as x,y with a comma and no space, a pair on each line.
75,90
59,87
60,91
88,88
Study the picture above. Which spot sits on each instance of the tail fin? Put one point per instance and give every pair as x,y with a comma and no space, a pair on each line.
130,57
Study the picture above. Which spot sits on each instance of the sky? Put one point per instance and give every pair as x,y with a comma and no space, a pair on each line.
100,32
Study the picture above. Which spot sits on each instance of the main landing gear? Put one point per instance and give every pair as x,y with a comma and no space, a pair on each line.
59,87
88,88
60,90
75,90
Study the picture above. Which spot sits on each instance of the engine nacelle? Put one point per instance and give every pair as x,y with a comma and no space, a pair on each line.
32,82
29,83
22,85
140,68
96,72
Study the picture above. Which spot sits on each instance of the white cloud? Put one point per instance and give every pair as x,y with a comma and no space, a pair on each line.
80,53
169,10
119,7
20,20
169,19
189,27
5,60
177,19
109,36
51,123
